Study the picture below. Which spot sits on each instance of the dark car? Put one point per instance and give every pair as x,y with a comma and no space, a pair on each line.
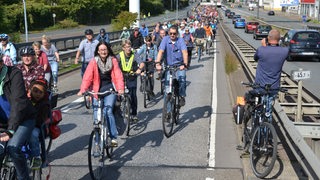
261,31
302,44
271,13
235,17
231,14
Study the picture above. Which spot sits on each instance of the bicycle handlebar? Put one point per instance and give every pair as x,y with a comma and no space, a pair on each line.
266,87
107,92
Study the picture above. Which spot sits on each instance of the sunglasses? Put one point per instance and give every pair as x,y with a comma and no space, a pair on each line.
172,33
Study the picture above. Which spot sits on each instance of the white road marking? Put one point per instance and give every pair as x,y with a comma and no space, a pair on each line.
70,105
207,178
212,138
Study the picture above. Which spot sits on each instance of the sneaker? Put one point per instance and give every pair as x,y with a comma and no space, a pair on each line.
152,94
168,117
114,143
36,163
182,101
196,54
135,119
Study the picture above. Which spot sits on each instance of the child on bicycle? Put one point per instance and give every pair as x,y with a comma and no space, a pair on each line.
39,98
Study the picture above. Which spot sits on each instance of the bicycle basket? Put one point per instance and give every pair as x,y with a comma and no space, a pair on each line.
199,42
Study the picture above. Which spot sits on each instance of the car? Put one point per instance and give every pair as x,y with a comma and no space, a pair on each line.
240,23
271,13
250,26
302,43
261,31
251,8
231,14
235,17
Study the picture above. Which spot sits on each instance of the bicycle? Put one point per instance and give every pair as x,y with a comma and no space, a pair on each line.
208,44
99,140
171,107
146,87
259,135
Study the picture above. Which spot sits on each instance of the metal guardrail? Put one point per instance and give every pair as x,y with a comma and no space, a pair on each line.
302,151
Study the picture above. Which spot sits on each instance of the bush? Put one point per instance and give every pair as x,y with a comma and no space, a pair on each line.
15,37
67,23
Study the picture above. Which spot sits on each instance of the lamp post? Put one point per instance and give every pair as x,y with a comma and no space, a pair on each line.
258,9
25,19
177,15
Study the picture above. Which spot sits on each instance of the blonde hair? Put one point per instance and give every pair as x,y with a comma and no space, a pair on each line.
126,42
44,37
37,44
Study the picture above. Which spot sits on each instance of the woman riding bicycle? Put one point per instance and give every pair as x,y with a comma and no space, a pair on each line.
102,72
149,52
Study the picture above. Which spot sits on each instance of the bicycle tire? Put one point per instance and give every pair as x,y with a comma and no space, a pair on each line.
199,53
87,101
144,91
248,128
49,145
167,123
162,86
127,114
176,107
263,150
95,155
36,174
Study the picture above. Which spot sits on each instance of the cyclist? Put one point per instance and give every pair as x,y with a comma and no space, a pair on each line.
131,65
103,36
209,34
125,34
8,49
102,74
53,58
136,39
39,97
42,59
199,35
86,49
17,118
176,54
149,52
30,69
189,40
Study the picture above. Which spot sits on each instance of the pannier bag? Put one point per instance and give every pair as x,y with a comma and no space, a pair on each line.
238,110
54,129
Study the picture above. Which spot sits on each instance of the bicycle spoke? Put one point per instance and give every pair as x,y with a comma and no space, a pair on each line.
168,116
95,155
263,150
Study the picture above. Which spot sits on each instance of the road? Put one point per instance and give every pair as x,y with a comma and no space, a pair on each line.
203,146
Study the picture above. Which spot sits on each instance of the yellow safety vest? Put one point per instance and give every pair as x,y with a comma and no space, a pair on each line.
126,66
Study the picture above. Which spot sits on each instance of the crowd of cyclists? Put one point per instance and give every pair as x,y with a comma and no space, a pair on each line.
169,44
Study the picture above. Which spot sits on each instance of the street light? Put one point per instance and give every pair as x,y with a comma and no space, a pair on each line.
25,19
177,15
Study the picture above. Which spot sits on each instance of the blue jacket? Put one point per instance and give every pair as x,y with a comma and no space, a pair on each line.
9,51
105,38
144,31
145,54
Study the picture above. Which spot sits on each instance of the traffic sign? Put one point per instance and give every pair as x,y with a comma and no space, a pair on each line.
299,75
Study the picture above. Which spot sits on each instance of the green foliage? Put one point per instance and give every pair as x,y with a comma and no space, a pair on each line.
15,37
231,63
124,19
67,23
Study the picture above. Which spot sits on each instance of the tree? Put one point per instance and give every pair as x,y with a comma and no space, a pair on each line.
124,19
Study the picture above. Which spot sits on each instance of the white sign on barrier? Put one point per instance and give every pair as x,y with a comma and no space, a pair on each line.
299,75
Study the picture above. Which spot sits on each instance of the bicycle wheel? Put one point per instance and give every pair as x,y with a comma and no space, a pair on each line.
36,174
248,128
144,86
95,155
263,150
168,115
127,113
48,147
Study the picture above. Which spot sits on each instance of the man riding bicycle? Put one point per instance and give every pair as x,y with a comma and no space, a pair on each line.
176,54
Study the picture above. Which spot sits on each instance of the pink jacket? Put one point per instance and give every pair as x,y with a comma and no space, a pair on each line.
91,78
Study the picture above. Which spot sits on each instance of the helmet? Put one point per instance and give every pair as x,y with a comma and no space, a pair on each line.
4,36
88,32
27,50
102,30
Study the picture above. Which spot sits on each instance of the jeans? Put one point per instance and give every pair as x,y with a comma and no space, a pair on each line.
181,76
54,69
34,142
84,67
13,148
108,104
